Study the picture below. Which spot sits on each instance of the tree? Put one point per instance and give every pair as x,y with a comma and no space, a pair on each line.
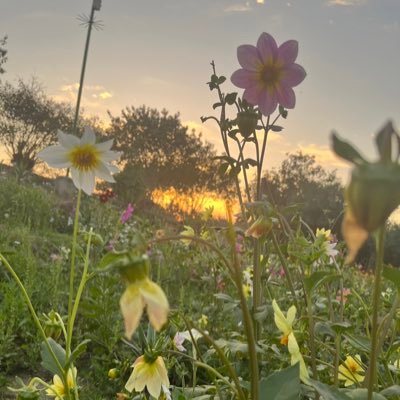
300,180
29,121
3,54
160,147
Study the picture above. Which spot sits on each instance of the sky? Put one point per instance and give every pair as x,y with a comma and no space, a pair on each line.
158,53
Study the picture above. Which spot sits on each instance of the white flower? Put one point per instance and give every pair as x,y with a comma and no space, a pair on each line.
84,157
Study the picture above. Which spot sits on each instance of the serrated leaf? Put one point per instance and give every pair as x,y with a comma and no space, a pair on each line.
47,360
328,392
282,385
346,151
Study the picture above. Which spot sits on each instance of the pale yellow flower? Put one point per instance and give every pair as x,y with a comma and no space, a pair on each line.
57,389
150,374
188,231
349,371
324,232
296,357
284,324
140,294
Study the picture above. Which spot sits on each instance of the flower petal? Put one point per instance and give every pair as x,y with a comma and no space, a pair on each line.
109,155
252,94
248,57
67,140
103,172
280,320
154,383
162,371
55,156
157,303
267,102
84,180
296,357
288,51
293,75
244,78
104,146
88,136
132,305
291,314
354,235
286,96
267,48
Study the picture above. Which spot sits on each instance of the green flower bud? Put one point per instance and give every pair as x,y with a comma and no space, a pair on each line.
113,373
260,228
52,325
373,193
135,268
247,122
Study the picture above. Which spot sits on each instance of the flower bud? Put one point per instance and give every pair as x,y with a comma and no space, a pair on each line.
247,122
260,228
373,194
52,325
135,268
113,373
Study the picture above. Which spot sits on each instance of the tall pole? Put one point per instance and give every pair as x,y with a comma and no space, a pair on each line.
95,7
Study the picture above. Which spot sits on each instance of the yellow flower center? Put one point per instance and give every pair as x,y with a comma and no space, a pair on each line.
352,366
285,340
85,157
271,74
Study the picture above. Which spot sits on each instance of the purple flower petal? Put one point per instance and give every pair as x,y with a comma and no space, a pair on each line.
286,96
248,57
287,52
267,48
267,102
244,78
252,94
293,75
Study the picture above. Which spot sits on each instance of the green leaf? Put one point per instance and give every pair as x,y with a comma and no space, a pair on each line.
221,80
47,359
216,105
328,392
283,112
362,394
391,391
230,98
276,128
392,274
316,279
80,349
359,343
384,142
282,385
346,150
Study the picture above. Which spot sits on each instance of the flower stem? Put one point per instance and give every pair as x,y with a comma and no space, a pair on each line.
32,310
372,370
72,274
257,288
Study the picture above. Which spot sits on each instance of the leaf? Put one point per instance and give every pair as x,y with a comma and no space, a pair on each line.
384,141
346,150
216,105
316,279
221,80
249,162
359,343
47,359
283,112
230,98
392,274
282,385
391,391
328,392
362,394
276,128
80,349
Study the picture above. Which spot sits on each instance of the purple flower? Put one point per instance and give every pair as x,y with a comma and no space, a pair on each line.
268,73
127,214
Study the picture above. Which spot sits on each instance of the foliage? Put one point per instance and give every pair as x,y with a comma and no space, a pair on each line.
3,54
160,148
29,121
301,181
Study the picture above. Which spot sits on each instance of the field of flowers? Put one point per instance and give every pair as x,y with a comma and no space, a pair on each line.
102,300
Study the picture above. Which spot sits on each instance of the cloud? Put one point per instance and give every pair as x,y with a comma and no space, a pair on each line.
239,7
154,81
105,95
346,3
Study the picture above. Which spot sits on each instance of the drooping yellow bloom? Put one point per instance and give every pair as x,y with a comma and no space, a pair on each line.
283,323
57,389
150,374
296,357
140,294
349,371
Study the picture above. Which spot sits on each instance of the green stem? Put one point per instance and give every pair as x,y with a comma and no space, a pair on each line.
72,274
32,310
285,268
372,370
257,290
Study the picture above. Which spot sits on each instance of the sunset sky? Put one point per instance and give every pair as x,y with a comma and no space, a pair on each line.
157,53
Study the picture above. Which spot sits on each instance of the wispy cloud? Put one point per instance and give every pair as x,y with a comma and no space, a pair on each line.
346,3
239,7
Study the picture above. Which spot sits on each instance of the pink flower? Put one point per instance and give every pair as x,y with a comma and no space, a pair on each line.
268,73
127,214
179,338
